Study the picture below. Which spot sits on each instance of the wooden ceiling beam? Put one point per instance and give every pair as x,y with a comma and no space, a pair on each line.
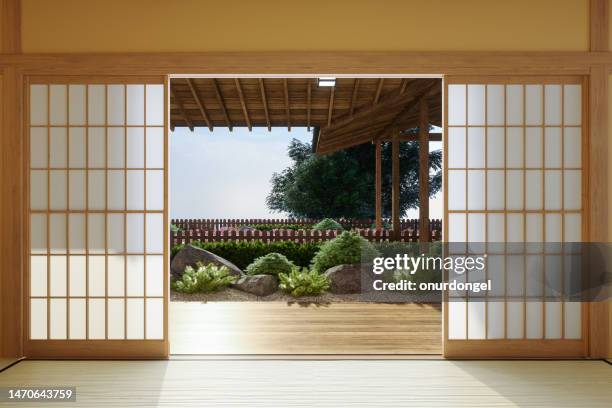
354,97
287,110
181,109
379,88
198,102
330,112
243,104
221,101
403,85
264,100
308,102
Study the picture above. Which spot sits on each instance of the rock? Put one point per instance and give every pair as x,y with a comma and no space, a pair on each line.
191,255
260,285
344,279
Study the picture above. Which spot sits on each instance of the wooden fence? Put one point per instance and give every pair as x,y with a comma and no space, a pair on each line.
206,230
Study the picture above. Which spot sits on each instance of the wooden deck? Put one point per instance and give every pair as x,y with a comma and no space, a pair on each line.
282,328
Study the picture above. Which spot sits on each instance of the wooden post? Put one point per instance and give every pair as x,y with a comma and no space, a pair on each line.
423,171
378,183
395,181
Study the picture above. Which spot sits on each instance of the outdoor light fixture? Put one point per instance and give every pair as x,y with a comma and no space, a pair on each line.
326,81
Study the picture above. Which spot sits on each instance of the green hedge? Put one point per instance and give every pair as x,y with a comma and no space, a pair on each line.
243,253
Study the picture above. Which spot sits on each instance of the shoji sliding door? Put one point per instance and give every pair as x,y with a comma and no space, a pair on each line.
97,204
514,189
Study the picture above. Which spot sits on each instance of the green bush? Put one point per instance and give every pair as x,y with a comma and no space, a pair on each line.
243,253
205,279
175,229
271,264
348,248
327,224
301,282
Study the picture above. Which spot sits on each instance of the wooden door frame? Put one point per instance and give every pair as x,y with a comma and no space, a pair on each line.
595,65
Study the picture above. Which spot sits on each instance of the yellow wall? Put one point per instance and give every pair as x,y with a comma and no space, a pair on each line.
280,25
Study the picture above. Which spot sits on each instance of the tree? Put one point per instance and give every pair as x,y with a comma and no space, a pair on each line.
341,184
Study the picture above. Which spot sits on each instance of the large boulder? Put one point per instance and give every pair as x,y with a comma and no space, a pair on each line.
191,255
260,285
344,279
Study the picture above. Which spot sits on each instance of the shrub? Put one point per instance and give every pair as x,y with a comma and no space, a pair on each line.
175,229
347,248
271,264
204,279
243,253
301,282
327,224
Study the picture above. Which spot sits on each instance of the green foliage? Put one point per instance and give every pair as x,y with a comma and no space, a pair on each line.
205,279
270,264
327,224
341,184
301,282
270,227
243,253
347,248
175,229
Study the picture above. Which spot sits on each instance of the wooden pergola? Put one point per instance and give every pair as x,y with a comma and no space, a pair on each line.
353,112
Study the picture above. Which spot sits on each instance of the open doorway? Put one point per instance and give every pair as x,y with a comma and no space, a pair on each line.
263,166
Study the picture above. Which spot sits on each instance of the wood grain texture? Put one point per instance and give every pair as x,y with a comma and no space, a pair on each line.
599,25
10,26
281,328
323,383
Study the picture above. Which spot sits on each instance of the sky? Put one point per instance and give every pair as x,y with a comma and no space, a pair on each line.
223,174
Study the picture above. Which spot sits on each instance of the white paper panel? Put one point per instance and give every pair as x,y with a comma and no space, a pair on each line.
116,104
572,189
476,319
552,230
155,233
77,155
155,323
135,190
495,105
38,190
116,275
456,190
155,147
116,319
96,230
573,320
553,320
534,320
572,104
96,146
135,319
135,147
97,319
515,226
496,228
38,319
552,189
155,104
57,312
58,155
515,312
457,320
476,227
135,275
514,105
155,190
38,147
476,189
116,189
155,275
96,189
495,189
514,190
135,233
38,233
115,233
57,234
58,95
534,147
572,147
533,190
76,233
38,275
534,228
456,147
476,104
572,231
533,108
514,147
78,320
78,273
552,147
77,187
76,104
38,104
135,104
552,105
116,147
495,147
96,281
456,104
457,227
58,195
495,320
476,147
96,105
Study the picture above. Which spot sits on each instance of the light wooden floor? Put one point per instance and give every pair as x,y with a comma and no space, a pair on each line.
266,383
281,328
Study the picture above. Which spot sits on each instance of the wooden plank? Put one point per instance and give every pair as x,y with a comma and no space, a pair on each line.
354,97
395,184
287,107
424,171
264,101
12,189
378,91
221,101
243,104
10,26
330,112
181,108
378,185
198,102
599,25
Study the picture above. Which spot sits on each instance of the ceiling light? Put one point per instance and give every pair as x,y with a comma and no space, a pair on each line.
326,81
